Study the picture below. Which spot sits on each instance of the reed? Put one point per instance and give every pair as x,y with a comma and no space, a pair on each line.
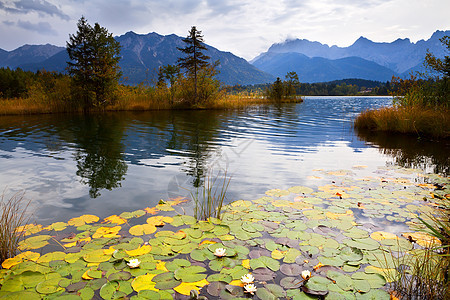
424,273
13,214
416,120
209,199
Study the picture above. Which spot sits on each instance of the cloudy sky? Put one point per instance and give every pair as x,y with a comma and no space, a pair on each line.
243,27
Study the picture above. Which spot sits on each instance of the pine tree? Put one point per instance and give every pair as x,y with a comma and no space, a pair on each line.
94,55
194,60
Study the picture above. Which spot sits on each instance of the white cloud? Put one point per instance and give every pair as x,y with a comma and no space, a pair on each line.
243,27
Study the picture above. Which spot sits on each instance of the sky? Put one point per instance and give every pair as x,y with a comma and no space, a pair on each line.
244,27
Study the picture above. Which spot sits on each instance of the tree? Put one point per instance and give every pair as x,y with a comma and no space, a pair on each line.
276,91
194,60
94,55
170,73
441,66
292,83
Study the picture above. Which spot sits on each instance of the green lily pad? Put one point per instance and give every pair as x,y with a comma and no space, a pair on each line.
121,275
177,264
291,282
165,281
350,254
219,277
109,289
375,280
190,274
265,262
317,284
364,244
271,291
49,286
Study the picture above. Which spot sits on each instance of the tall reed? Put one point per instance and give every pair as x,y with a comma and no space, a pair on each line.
411,120
209,198
13,214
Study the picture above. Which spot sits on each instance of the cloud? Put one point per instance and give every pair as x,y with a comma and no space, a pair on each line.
41,27
28,6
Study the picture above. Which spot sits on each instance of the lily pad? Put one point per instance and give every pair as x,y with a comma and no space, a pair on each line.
190,274
165,281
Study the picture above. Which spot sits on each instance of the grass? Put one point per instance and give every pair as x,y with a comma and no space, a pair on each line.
413,120
209,198
129,99
13,215
424,273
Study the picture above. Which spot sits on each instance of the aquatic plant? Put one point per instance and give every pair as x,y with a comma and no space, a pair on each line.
13,215
209,198
276,238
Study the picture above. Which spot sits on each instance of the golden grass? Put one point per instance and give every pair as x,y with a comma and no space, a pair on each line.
13,215
132,101
415,120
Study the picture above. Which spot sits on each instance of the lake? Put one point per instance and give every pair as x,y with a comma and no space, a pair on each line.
104,164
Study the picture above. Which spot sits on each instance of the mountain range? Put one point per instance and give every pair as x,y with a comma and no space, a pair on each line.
143,54
315,62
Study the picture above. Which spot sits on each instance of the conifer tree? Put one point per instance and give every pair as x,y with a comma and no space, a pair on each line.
194,60
94,57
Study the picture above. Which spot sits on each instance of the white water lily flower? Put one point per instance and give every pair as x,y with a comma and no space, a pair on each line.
220,252
306,274
247,278
134,263
250,288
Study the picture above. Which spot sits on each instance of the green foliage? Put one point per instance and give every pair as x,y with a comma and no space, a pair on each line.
13,83
94,55
441,66
198,70
429,91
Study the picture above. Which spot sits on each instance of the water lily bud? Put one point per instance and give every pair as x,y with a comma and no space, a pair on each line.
306,274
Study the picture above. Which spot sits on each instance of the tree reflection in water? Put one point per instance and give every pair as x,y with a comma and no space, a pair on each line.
411,152
100,152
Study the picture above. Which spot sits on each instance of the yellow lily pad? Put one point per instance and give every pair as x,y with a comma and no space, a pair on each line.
185,288
144,282
34,242
96,256
139,230
82,220
107,232
139,251
381,235
115,219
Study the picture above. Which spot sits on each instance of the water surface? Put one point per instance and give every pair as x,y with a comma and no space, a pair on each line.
104,164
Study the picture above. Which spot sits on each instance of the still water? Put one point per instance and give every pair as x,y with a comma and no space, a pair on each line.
104,164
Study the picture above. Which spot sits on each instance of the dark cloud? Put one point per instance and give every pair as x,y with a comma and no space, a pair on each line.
42,27
39,6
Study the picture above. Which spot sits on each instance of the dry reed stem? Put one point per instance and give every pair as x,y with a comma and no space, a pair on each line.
13,215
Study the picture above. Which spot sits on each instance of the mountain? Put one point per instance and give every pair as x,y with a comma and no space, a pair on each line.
318,69
27,54
142,55
401,56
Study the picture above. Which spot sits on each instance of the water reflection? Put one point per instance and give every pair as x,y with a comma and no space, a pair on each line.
130,160
100,152
411,152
